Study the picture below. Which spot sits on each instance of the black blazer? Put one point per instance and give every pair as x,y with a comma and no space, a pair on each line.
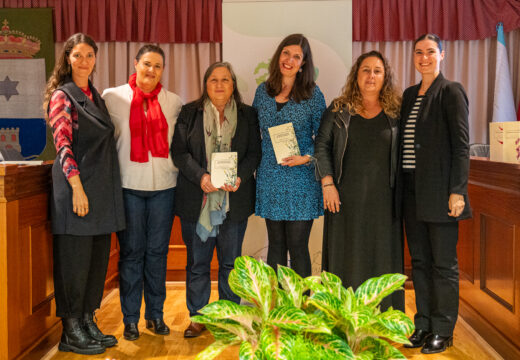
189,155
331,144
441,148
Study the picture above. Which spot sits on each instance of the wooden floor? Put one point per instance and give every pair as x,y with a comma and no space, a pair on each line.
468,345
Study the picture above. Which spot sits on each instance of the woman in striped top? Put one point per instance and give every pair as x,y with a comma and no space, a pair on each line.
435,166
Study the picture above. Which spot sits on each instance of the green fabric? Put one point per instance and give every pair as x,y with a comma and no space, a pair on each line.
217,138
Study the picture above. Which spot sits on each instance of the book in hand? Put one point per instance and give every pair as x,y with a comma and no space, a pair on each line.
223,168
284,141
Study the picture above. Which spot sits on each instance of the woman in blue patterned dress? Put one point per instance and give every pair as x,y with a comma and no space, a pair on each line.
287,194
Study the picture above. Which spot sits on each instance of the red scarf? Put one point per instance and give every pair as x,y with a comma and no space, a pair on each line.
148,132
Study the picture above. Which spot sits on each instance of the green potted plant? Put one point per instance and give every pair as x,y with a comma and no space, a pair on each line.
287,323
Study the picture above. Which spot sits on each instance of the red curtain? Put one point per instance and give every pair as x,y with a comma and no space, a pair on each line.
397,20
174,21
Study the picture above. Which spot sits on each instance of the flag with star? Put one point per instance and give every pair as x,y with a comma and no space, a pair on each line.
26,60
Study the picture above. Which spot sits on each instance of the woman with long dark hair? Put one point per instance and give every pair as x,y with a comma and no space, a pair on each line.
435,167
86,203
287,193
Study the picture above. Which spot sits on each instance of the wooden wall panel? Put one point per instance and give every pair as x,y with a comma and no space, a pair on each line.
489,254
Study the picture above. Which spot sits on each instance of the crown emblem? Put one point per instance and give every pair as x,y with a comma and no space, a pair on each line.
16,45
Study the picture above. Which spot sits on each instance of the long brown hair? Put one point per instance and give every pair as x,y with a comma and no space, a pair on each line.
62,69
304,83
351,98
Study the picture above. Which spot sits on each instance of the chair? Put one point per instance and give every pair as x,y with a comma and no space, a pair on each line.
480,150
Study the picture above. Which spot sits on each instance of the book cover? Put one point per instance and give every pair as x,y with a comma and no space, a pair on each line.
284,141
224,168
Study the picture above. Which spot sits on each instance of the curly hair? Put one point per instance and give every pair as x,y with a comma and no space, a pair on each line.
62,69
389,96
304,83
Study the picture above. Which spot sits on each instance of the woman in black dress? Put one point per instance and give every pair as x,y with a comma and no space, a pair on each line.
356,152
435,166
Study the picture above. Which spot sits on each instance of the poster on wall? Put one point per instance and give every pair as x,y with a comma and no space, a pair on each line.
252,30
26,59
251,33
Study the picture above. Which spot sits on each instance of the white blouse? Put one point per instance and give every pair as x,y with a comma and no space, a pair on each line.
157,173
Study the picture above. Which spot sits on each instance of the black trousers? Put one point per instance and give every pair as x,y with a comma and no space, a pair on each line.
292,236
435,270
80,268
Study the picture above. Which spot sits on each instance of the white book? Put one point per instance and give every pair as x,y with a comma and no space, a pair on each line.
284,141
223,168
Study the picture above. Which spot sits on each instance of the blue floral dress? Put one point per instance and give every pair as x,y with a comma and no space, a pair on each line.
282,192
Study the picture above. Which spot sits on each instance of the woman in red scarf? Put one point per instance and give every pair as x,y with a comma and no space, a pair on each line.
144,116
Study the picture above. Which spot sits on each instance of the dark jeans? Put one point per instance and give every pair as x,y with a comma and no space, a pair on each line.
294,237
80,269
229,246
435,271
144,251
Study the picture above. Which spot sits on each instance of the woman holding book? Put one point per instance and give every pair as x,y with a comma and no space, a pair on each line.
86,202
214,217
356,153
287,194
144,115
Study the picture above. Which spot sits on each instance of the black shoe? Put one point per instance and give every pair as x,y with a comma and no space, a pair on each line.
75,339
158,326
131,332
93,331
418,338
436,344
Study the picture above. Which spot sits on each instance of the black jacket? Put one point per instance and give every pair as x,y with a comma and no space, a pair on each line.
189,155
331,143
95,153
441,148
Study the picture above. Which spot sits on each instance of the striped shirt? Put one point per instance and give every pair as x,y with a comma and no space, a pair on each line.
409,136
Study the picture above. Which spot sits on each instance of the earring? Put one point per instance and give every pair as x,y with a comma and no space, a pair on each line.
300,70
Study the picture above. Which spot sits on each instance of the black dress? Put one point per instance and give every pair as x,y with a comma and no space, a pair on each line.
363,239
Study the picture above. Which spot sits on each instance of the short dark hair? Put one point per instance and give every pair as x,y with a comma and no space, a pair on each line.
236,94
432,37
304,83
150,48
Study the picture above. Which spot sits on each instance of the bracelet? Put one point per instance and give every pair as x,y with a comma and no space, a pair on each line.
329,184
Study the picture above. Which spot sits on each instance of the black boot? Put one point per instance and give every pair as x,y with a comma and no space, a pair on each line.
93,331
75,339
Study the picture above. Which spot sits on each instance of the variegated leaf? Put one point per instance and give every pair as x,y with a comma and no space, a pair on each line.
378,330
252,281
348,299
332,283
282,299
247,352
396,321
332,346
327,303
292,283
313,283
317,324
225,309
381,349
288,317
359,317
365,355
230,326
372,291
214,350
221,334
276,343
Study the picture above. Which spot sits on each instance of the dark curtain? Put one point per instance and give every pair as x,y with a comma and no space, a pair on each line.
174,21
397,20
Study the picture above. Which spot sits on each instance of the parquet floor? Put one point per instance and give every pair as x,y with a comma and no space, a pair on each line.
468,345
